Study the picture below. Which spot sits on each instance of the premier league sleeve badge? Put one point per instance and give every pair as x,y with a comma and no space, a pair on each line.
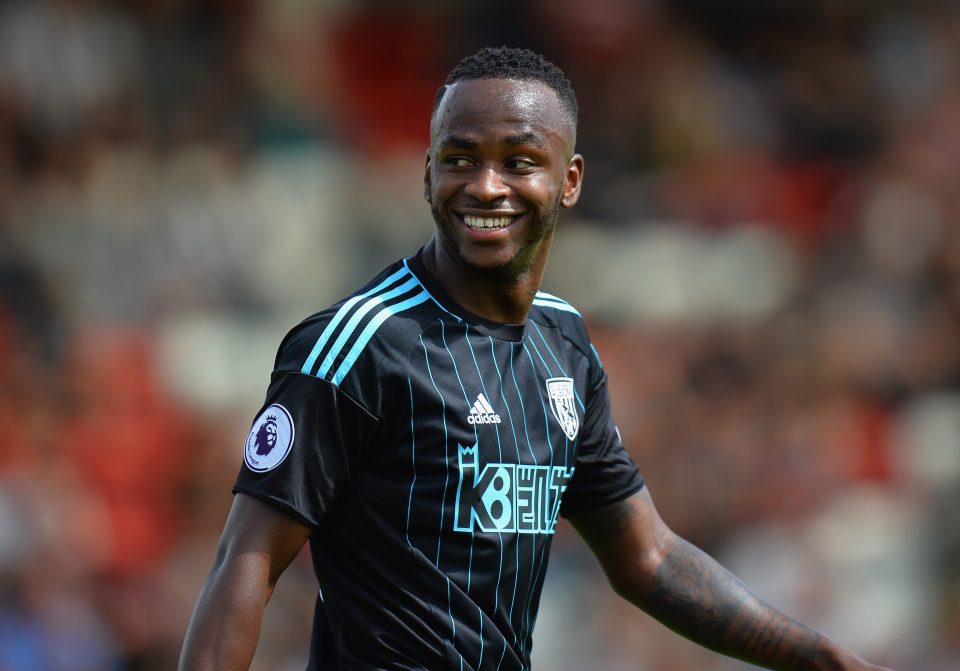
270,439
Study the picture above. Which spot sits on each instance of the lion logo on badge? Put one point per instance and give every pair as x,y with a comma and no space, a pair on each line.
564,405
267,436
270,439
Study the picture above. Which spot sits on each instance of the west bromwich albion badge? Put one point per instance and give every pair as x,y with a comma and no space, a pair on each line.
560,391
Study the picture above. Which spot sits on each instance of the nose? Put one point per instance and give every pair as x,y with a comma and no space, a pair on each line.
487,185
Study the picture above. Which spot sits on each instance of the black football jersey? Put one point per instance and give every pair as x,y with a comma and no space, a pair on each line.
431,451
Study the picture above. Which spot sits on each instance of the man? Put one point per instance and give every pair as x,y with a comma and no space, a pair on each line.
424,434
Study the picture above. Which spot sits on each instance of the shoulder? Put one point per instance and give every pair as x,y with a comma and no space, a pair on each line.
553,312
378,319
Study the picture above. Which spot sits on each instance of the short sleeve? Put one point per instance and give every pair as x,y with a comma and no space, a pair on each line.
303,444
604,472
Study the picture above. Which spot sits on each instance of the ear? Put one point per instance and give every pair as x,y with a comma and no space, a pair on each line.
572,181
426,178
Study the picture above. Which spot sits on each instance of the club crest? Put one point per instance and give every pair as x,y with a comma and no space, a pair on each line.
270,439
563,404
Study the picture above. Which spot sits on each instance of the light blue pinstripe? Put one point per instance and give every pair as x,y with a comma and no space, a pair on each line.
453,623
543,406
596,354
342,312
535,575
413,459
566,445
523,414
516,443
496,590
456,370
446,447
466,335
536,349
480,661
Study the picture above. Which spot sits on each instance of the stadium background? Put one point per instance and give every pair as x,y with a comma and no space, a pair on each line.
767,250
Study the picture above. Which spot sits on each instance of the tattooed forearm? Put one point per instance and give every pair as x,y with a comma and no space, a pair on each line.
695,596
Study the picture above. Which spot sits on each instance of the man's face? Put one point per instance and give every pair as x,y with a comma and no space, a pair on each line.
499,167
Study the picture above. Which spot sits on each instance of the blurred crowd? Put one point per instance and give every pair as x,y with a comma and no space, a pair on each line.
767,251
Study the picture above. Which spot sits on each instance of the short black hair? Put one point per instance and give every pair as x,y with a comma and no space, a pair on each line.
512,63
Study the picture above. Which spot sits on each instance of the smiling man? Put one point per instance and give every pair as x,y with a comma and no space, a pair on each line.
428,430
501,164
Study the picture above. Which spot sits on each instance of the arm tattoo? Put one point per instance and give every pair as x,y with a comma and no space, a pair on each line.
696,597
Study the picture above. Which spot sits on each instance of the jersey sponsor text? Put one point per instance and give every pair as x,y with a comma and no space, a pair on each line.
508,498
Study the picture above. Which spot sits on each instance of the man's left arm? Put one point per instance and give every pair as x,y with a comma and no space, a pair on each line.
689,592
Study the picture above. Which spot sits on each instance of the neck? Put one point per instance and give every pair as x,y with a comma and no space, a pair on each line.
500,298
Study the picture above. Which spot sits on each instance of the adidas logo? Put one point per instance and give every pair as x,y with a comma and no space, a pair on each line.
482,412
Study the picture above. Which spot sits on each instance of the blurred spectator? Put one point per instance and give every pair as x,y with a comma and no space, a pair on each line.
68,60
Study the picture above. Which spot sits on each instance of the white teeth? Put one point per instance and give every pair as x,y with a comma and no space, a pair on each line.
486,222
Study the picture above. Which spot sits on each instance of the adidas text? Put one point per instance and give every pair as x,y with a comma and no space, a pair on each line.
483,419
482,412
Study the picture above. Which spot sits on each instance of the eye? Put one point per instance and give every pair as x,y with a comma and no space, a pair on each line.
459,162
520,164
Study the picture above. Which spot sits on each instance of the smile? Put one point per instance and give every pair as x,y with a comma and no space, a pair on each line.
486,223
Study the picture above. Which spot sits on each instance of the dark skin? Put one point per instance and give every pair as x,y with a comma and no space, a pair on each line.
498,149
258,543
500,166
685,589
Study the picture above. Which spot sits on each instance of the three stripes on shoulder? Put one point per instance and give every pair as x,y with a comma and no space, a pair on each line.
353,337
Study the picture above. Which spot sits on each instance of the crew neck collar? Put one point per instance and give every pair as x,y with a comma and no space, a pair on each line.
513,332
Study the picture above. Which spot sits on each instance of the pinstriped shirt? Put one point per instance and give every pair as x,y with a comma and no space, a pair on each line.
431,451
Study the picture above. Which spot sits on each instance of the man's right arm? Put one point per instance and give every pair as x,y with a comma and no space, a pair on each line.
258,543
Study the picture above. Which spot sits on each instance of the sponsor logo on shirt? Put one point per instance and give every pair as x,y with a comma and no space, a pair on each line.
508,498
563,405
270,439
482,412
